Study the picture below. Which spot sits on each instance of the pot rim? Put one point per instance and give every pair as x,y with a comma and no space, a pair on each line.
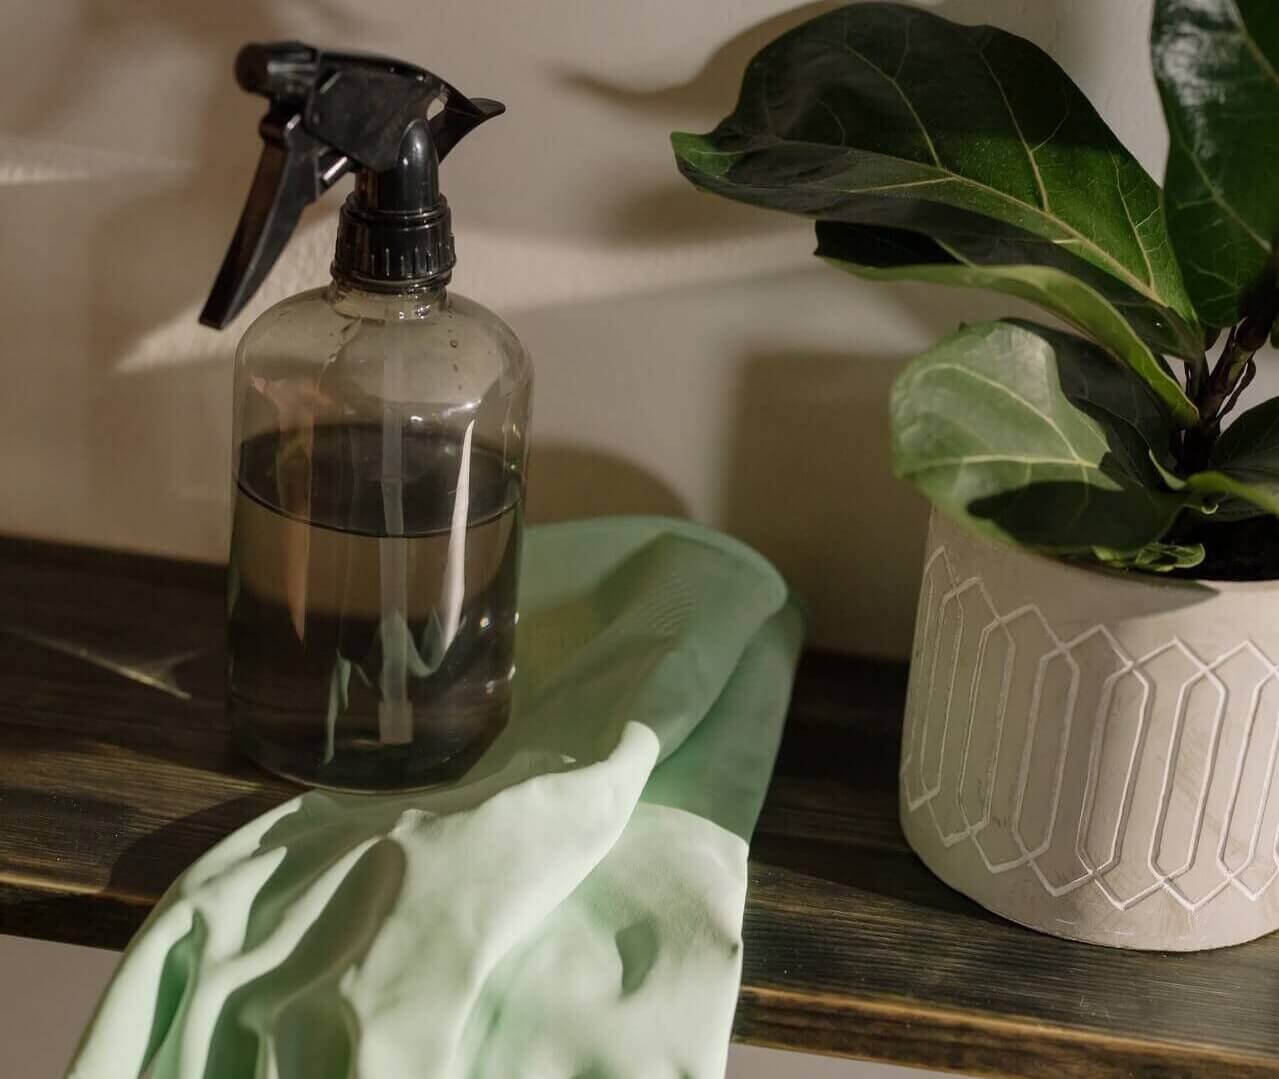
1127,577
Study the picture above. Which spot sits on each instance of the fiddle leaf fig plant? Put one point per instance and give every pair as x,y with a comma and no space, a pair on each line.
962,155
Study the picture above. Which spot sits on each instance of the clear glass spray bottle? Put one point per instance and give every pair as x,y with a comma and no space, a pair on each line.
379,446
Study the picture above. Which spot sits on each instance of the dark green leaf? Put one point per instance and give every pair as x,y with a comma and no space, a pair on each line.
895,254
1035,436
885,114
1245,463
1217,64
979,241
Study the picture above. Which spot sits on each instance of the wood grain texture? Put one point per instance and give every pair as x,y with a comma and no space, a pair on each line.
108,788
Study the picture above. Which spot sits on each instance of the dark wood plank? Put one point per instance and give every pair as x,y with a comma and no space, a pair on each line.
109,787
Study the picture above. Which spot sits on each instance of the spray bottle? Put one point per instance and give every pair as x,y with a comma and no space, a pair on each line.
379,444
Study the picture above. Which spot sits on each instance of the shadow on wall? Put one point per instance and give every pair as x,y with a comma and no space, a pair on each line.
766,423
813,488
154,251
132,298
675,212
1053,25
715,84
811,484
149,432
568,481
713,90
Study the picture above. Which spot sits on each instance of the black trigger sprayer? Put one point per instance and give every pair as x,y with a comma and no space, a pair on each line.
380,443
334,113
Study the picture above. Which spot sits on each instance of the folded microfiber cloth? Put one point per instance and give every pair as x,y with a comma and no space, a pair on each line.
572,909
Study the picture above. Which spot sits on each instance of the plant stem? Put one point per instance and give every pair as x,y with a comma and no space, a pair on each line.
1216,395
1229,368
1196,373
1249,373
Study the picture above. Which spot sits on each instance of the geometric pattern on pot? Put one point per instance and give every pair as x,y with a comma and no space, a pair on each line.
1131,774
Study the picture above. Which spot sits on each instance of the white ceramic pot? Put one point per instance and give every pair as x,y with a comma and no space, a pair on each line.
1093,754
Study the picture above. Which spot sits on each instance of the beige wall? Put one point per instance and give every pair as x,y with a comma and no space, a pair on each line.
692,356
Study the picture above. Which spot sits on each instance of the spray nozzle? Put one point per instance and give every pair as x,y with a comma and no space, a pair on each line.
334,113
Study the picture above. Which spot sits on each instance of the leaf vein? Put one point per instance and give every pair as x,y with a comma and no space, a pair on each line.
1216,194
1021,138
892,81
1073,237
1054,132
1008,458
1250,43
1123,201
901,63
977,376
843,134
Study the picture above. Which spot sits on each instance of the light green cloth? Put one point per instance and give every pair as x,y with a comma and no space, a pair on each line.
571,910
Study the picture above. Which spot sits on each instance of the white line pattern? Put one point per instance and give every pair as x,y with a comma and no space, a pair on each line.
1173,799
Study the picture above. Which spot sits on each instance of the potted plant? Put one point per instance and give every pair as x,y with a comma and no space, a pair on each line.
1092,726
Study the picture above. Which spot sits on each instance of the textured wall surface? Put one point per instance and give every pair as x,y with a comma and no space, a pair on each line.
692,356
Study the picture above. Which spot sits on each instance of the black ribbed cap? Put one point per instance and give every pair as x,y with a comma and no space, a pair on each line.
378,251
395,230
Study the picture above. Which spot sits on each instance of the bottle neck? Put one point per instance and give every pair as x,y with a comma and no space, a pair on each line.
394,230
354,302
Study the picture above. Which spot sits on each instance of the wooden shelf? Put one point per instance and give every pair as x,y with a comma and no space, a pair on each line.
109,787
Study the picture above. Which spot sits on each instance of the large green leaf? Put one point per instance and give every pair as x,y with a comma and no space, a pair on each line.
1036,436
980,241
984,242
1245,463
878,113
1217,63
895,254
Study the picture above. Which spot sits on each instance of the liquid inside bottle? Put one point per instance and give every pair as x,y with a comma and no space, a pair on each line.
371,631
